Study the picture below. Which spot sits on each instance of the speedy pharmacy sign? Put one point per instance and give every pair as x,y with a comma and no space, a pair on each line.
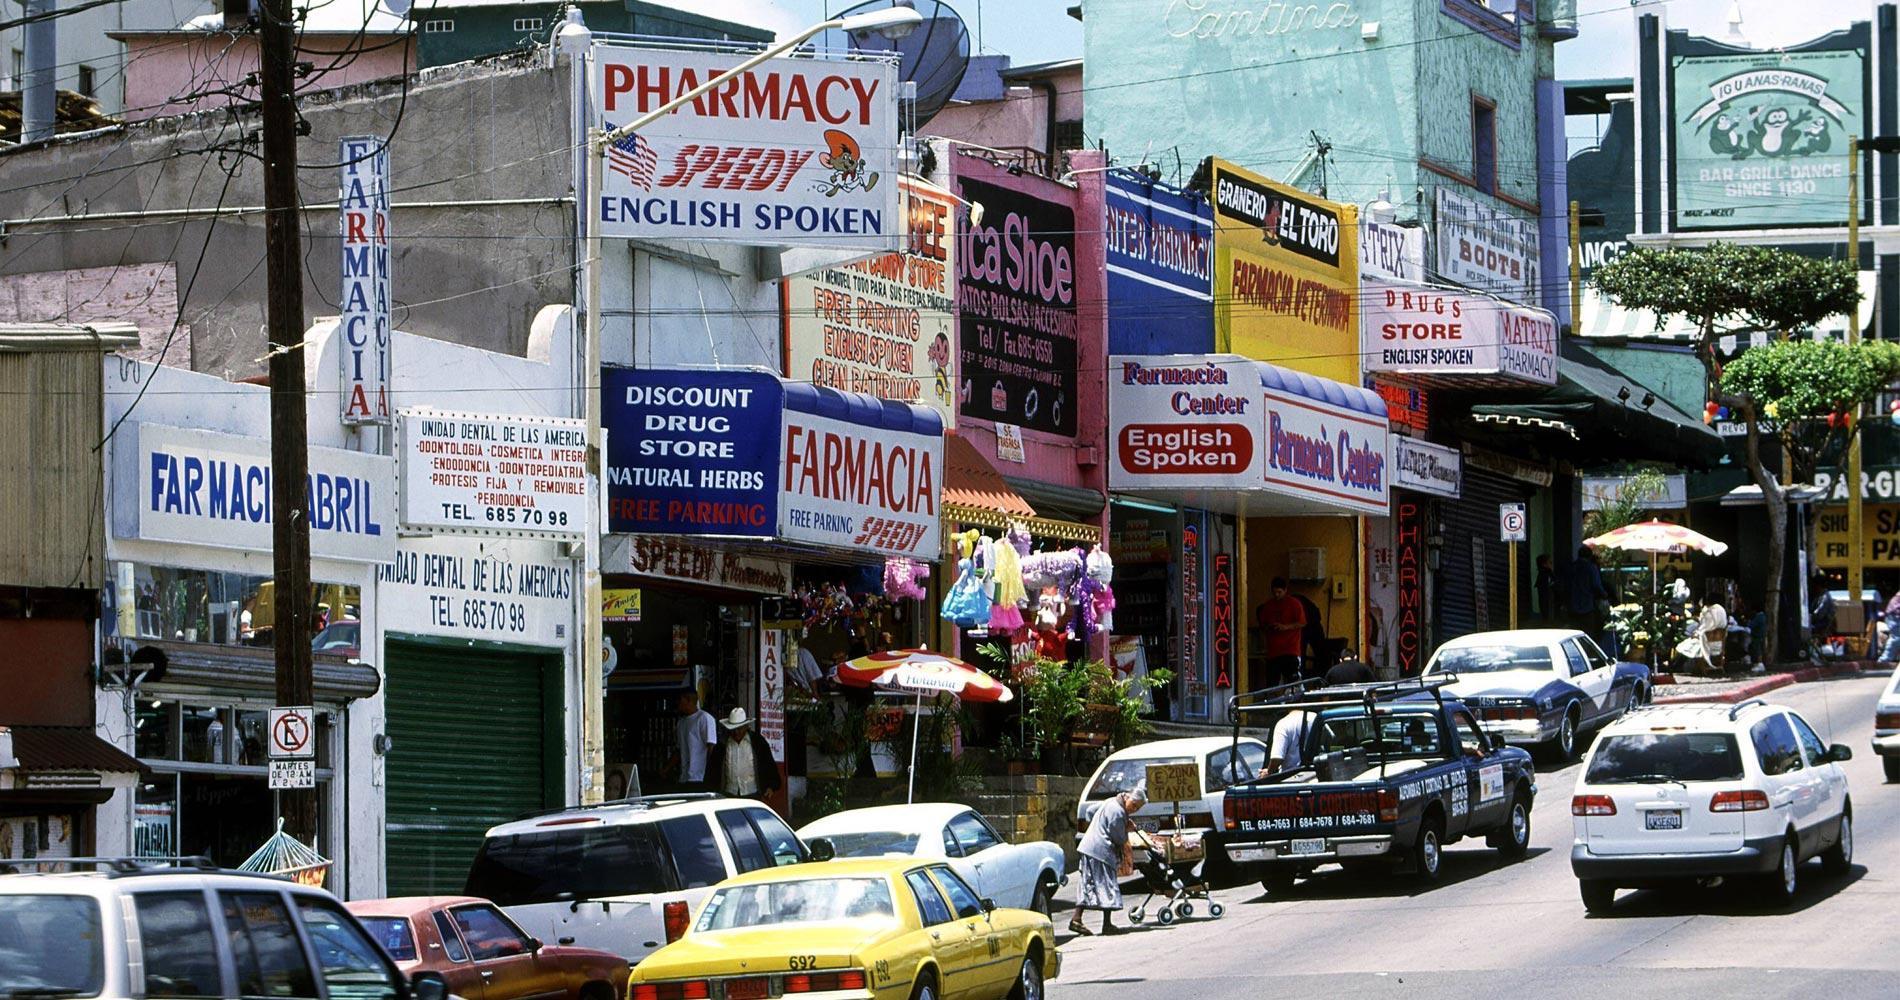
176,484
792,152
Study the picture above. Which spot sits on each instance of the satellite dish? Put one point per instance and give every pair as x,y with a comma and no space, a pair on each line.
933,55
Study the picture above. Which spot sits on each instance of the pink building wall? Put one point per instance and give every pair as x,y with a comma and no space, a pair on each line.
1053,458
164,70
1019,121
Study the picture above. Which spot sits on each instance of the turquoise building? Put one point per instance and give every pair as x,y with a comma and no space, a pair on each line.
1444,108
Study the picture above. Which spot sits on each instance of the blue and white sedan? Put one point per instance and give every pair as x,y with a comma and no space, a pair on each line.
1540,686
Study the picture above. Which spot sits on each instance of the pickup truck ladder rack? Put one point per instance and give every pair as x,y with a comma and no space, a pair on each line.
1295,697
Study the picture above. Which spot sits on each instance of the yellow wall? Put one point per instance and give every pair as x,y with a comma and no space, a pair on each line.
1287,292
1269,539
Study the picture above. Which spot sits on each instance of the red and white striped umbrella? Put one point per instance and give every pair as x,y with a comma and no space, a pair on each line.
1656,537
920,671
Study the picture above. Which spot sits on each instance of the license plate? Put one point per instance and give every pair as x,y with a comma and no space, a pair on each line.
1147,825
1250,854
1312,845
1663,819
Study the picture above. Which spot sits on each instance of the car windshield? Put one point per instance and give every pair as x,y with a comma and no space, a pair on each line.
1635,758
1392,734
29,924
871,843
393,934
624,859
1490,659
1119,776
802,901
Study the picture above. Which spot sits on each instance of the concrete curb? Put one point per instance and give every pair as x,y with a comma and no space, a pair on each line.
1762,685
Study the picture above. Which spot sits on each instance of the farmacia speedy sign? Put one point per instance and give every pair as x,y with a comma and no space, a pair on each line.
793,152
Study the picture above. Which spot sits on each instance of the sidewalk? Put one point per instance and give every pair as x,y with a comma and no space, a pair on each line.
1742,689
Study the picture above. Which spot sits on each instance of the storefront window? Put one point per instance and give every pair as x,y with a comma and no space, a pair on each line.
209,792
156,730
194,605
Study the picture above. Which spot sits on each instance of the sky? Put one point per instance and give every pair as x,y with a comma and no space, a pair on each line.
1028,31
1036,31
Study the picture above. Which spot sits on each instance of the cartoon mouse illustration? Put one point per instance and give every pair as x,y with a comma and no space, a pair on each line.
846,161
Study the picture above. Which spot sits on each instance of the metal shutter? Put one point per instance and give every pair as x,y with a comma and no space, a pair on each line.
470,749
1469,526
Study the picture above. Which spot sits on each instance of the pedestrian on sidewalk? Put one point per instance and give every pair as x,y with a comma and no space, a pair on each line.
695,736
1105,856
1892,617
1283,619
742,763
1586,597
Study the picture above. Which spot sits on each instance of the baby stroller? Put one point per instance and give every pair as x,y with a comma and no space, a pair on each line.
1170,866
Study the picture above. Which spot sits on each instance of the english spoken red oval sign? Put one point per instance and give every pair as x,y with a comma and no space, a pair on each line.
1185,449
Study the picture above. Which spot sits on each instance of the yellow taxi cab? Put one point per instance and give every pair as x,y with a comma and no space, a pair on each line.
870,929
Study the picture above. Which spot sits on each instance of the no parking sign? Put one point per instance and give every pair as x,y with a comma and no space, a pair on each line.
1511,522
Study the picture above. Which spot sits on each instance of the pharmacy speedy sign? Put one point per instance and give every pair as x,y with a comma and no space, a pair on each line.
176,484
792,152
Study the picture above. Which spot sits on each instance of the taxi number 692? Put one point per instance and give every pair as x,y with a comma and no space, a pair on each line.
803,963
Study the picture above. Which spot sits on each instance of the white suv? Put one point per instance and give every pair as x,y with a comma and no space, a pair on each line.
1688,792
624,877
135,930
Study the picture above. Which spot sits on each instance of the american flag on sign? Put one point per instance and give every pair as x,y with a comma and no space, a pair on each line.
633,157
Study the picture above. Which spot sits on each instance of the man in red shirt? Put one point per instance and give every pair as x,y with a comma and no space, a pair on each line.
1281,619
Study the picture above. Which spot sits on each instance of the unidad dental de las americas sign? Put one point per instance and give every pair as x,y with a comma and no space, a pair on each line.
1227,423
196,487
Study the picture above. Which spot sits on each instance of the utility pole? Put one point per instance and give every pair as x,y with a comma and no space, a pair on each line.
289,432
1856,558
1576,270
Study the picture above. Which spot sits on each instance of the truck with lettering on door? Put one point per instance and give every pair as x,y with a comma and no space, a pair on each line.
1390,774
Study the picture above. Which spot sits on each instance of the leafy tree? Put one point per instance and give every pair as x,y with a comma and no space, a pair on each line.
1783,388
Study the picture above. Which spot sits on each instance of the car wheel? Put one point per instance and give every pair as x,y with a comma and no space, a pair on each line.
926,988
1892,764
1598,896
1839,858
1044,896
1514,841
1028,981
1566,742
1429,853
1278,882
1779,885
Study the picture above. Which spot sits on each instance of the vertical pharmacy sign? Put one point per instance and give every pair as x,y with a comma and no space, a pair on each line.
363,223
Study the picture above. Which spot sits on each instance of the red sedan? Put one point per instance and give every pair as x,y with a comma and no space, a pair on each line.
483,954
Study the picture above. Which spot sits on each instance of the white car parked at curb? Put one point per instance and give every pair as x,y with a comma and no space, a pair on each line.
1023,876
1887,727
1696,792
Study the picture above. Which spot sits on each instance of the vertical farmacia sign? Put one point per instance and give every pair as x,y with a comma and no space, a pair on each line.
363,225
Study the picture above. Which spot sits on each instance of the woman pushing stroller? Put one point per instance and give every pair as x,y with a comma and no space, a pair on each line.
1105,857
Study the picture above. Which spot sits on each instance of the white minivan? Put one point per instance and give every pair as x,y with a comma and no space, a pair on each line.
1220,761
1693,792
626,876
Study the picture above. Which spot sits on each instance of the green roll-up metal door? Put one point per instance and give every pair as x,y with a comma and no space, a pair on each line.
474,742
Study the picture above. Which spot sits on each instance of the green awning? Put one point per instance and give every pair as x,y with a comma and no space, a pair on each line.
1596,412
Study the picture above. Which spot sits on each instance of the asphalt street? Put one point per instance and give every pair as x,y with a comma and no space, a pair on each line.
1496,929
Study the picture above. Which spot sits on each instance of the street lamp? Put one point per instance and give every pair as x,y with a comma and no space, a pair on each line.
892,22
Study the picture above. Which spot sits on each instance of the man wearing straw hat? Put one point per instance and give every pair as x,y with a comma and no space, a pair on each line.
742,764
